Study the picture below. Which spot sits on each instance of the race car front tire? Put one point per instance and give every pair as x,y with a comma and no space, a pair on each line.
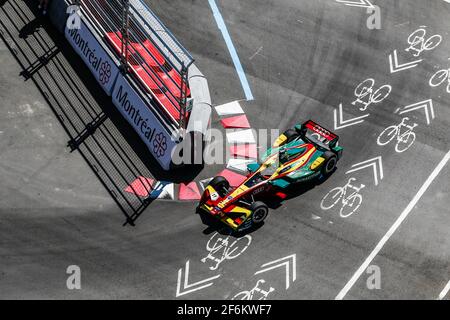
221,185
259,212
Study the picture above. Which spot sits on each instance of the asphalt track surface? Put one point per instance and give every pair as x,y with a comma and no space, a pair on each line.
302,59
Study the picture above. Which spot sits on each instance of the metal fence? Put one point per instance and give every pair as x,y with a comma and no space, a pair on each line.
85,112
132,23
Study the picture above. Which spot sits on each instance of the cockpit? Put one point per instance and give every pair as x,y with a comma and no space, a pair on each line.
288,154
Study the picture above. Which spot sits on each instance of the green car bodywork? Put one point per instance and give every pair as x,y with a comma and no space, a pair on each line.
292,148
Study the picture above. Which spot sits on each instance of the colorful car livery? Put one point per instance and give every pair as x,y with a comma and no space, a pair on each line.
305,152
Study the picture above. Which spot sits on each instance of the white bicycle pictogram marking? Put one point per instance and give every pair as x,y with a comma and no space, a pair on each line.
256,291
405,139
418,43
350,200
367,95
221,249
440,77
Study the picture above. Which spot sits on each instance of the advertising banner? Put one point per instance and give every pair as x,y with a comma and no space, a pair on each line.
93,54
144,122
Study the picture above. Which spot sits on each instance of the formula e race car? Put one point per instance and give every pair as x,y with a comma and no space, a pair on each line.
300,154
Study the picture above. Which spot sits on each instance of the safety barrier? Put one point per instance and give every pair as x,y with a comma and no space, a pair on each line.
154,65
94,55
134,108
143,67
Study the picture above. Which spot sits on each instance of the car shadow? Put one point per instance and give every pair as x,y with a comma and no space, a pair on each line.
215,225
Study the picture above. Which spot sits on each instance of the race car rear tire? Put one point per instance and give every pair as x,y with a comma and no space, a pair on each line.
291,135
220,184
259,212
329,163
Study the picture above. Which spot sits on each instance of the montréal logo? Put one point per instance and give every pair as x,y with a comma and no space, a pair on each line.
160,145
105,72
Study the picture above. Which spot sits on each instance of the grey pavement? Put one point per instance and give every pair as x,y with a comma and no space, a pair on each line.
302,58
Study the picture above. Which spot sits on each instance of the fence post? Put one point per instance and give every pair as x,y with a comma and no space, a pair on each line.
183,96
125,35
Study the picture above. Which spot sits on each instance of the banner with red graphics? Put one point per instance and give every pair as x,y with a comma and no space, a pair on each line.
318,129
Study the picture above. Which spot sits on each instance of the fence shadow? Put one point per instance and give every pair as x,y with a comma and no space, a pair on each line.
108,143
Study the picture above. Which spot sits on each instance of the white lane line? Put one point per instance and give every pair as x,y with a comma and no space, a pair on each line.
447,287
226,36
394,227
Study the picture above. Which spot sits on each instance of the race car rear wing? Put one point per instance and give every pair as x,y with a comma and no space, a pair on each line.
321,131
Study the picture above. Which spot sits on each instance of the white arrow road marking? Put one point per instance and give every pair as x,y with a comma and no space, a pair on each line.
283,262
427,105
359,3
199,285
340,123
394,227
446,289
396,67
375,163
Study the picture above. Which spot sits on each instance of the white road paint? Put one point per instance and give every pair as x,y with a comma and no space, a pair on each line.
441,77
350,200
395,66
340,123
257,293
393,228
426,105
222,249
290,264
239,164
234,55
183,287
446,288
375,163
357,3
163,190
418,42
241,136
366,94
404,138
230,108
